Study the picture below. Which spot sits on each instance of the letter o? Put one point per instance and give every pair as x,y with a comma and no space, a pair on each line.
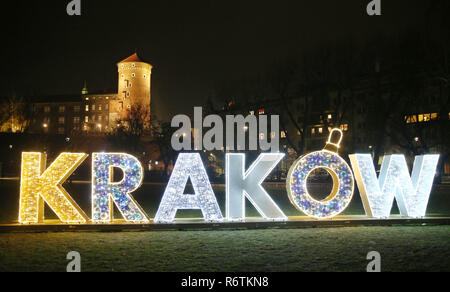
343,184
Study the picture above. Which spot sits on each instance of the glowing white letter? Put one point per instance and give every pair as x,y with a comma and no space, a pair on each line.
412,193
241,184
189,166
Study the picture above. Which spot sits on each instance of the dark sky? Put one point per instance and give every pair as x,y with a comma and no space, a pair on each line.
193,45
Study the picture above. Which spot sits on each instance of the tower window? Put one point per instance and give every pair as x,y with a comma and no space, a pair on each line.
133,65
133,75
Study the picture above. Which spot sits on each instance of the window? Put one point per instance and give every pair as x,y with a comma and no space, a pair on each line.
100,118
321,130
330,117
86,119
106,106
145,76
61,120
47,109
252,113
283,135
76,120
93,107
344,127
261,111
133,75
76,108
46,124
133,65
313,131
87,107
61,131
100,107
411,119
62,109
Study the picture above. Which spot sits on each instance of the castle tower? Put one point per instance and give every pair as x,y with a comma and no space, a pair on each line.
134,82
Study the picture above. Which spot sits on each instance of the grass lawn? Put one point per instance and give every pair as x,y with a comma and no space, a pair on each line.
424,248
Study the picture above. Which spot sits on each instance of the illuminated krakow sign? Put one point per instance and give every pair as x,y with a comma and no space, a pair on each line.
40,184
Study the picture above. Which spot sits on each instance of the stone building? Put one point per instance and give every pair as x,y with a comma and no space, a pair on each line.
95,112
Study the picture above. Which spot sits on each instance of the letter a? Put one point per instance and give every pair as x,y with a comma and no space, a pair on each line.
74,8
189,166
374,8
38,186
241,184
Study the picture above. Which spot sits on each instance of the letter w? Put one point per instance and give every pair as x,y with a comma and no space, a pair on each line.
38,186
412,193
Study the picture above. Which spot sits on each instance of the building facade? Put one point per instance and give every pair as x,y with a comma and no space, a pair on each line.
95,112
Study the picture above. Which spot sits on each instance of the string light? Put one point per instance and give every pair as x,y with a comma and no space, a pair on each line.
412,193
105,191
241,185
343,182
189,165
37,186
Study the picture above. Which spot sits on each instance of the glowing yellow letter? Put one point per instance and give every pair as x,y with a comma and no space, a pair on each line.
37,186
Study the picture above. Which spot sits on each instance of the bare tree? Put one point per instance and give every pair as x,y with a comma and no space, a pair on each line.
162,140
15,115
132,128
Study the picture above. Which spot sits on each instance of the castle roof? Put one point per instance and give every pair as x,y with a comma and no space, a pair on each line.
133,58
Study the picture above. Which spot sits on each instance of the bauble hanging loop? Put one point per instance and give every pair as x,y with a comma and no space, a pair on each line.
334,146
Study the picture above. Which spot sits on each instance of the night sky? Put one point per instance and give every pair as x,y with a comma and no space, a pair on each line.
193,45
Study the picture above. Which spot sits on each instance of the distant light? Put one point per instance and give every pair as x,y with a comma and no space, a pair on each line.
157,163
45,125
417,139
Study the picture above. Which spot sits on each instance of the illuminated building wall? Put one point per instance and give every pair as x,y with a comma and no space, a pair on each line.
94,112
134,84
